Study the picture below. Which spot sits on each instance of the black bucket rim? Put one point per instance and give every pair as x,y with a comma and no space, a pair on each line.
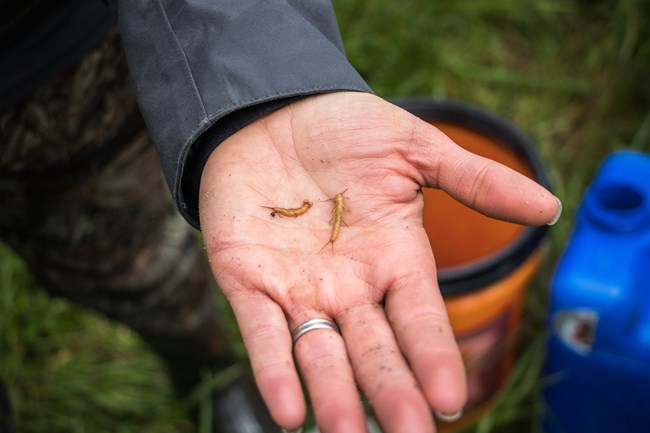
478,274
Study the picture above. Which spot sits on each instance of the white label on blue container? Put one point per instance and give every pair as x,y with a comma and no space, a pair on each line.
576,328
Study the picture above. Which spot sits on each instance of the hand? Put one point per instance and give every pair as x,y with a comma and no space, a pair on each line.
377,280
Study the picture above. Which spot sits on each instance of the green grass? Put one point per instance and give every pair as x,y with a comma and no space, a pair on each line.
70,371
574,75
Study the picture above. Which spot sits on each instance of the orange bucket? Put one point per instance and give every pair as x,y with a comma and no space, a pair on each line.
484,265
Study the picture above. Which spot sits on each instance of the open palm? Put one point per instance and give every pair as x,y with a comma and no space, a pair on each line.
376,279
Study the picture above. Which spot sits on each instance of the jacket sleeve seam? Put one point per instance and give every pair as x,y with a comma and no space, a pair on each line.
190,74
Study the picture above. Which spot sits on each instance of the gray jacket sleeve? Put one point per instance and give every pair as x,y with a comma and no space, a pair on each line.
203,69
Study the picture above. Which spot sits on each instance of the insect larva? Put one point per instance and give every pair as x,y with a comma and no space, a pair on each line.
290,212
337,219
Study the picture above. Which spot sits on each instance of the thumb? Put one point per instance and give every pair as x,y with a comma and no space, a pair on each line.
480,183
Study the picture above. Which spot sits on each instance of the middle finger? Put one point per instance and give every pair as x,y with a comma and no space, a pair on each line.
382,372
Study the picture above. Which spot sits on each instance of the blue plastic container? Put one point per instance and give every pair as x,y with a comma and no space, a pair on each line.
598,358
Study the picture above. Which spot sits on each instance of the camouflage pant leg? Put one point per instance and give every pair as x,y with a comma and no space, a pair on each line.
84,201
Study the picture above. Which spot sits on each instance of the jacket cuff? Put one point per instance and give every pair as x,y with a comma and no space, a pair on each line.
200,150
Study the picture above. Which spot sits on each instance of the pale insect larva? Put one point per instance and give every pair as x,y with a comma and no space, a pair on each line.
290,212
337,219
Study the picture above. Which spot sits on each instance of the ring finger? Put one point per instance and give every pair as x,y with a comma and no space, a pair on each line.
324,366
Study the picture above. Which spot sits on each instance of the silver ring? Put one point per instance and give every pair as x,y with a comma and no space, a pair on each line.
311,325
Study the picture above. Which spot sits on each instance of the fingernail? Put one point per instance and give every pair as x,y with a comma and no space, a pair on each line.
558,214
448,417
298,430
